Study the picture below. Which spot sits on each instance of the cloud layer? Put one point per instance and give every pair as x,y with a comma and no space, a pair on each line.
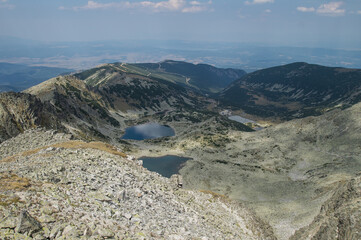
331,9
160,6
259,2
326,9
305,9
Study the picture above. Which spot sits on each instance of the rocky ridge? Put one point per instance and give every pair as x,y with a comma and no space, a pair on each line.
203,77
19,112
67,189
105,100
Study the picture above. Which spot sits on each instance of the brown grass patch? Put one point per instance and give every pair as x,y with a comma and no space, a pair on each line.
13,182
70,145
92,145
6,200
263,101
9,159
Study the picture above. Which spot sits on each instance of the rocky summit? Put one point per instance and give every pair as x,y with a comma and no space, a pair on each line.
52,187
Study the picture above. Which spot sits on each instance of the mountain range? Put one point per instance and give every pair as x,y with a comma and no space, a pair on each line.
200,76
299,179
17,77
294,90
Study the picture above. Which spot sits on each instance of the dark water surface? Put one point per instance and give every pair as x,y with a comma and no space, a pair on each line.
148,131
165,165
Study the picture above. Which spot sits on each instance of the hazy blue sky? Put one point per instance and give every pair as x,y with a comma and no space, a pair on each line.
282,22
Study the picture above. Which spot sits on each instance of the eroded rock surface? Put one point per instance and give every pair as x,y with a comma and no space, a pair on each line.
340,216
20,112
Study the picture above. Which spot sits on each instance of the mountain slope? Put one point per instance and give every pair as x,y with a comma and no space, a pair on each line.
202,77
294,90
127,91
101,102
340,216
18,77
20,112
285,172
87,113
63,189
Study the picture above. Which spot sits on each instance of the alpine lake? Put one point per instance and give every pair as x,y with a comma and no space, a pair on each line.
164,165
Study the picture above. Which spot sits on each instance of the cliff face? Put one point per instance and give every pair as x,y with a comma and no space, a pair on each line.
19,112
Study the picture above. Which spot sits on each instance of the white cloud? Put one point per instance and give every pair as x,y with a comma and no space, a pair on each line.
193,9
195,3
267,11
92,5
331,9
170,5
196,6
359,12
306,9
259,2
160,6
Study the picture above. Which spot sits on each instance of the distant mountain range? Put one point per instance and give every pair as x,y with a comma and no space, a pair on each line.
16,77
294,90
100,102
284,92
96,102
200,76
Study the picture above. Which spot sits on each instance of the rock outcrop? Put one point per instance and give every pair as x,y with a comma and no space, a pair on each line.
20,111
340,216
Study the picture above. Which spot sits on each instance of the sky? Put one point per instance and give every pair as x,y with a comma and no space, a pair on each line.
313,23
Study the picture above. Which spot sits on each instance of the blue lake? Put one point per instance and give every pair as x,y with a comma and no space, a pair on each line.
148,131
165,165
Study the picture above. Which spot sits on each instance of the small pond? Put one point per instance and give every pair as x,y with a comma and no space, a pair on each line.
240,119
148,131
244,121
165,165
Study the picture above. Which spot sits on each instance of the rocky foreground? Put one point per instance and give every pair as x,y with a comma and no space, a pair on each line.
52,187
